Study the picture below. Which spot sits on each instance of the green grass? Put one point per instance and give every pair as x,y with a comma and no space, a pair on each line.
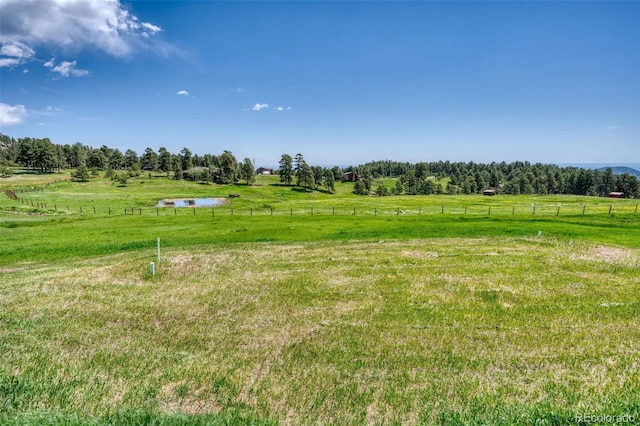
386,318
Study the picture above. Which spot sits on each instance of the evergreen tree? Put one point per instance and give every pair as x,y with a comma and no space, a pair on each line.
247,172
329,180
286,169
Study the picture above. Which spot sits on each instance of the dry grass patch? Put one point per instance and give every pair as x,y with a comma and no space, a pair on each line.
348,333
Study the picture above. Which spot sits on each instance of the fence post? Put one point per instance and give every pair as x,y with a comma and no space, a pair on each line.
194,211
157,211
442,210
80,209
513,211
420,210
354,211
213,211
334,209
311,211
558,211
251,212
271,211
375,212
94,209
583,209
175,212
489,210
534,210
610,209
465,209
231,211
397,211
291,211
636,209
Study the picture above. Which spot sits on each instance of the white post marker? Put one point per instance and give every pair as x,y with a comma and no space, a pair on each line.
158,249
152,269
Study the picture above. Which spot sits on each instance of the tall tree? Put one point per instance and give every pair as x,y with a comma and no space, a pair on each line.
149,160
186,159
131,159
286,169
247,172
328,179
228,168
164,160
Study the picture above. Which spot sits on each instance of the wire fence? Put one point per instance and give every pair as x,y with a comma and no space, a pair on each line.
24,197
38,207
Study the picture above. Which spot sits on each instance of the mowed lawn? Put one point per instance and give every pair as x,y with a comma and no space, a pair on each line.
400,318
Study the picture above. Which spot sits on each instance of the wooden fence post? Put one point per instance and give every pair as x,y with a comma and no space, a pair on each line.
610,207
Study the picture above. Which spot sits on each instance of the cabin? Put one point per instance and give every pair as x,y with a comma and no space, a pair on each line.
616,195
350,177
489,192
265,171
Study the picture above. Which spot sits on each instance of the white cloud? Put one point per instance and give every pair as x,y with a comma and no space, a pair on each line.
183,93
611,127
72,25
239,90
66,68
258,107
283,108
14,53
10,115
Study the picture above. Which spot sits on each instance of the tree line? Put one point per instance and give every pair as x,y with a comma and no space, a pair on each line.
507,178
422,178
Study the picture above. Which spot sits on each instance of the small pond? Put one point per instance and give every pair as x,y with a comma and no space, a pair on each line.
191,202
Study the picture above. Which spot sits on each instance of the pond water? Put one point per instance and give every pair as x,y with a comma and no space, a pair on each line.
191,202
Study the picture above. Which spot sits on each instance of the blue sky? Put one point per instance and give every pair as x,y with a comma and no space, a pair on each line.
341,82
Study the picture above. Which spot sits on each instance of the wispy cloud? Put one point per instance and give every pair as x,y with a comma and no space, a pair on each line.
239,90
11,115
66,68
15,53
611,128
283,108
259,107
182,93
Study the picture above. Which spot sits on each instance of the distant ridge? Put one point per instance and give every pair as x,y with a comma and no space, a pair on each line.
621,170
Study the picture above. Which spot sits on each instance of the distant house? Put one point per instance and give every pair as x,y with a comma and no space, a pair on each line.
489,192
265,171
350,177
616,195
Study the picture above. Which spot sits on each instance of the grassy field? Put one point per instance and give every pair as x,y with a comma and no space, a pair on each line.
398,314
